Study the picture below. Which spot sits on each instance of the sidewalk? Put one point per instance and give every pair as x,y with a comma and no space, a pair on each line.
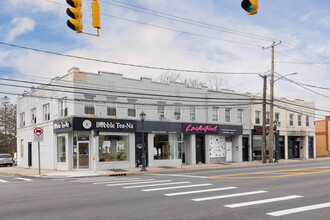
31,172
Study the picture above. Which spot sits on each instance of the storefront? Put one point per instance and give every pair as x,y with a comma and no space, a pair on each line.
79,148
117,144
212,143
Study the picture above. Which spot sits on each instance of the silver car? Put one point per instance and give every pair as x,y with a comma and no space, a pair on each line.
6,159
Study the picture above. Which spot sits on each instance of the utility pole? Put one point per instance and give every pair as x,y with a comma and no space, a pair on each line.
271,109
264,155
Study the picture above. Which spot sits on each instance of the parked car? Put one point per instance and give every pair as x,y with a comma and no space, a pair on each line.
6,159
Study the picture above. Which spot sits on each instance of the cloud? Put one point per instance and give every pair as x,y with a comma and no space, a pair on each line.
20,26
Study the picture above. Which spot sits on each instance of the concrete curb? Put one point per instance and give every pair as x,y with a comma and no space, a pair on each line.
30,172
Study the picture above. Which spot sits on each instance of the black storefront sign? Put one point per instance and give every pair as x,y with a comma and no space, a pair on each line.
88,124
257,130
195,128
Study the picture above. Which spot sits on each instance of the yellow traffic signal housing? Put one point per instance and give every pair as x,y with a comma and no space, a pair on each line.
250,6
96,14
76,14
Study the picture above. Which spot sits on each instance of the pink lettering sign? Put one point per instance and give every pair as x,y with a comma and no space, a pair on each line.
203,128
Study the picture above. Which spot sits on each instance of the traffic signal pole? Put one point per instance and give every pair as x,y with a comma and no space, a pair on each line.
271,109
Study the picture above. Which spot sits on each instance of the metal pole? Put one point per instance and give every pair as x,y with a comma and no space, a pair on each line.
143,153
264,155
94,169
39,157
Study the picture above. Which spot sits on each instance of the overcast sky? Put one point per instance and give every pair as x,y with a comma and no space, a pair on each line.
225,40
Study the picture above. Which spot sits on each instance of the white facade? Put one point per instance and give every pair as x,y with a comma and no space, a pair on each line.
183,125
295,124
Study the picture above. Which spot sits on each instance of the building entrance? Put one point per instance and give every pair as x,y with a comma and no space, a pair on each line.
81,156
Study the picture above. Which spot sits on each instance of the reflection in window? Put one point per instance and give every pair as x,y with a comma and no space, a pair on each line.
113,148
166,146
61,149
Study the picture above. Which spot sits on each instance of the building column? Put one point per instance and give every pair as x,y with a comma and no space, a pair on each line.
286,148
305,148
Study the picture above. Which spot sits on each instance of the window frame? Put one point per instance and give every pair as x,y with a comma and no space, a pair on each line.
46,112
228,116
257,119
33,116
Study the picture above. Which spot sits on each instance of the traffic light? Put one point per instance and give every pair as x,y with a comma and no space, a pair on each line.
76,14
96,14
250,6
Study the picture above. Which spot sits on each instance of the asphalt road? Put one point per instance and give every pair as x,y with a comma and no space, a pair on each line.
282,191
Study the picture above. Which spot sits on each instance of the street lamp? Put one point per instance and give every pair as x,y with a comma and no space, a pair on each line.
143,117
275,134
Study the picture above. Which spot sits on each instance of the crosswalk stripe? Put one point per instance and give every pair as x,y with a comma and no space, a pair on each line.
263,201
3,181
200,191
299,209
132,183
101,179
228,196
179,175
123,181
176,187
158,184
25,179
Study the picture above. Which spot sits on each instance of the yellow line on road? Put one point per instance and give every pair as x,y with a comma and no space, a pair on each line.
274,173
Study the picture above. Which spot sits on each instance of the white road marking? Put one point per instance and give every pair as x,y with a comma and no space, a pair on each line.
99,179
176,187
132,183
179,175
300,209
263,201
200,191
3,181
25,179
123,181
228,196
159,184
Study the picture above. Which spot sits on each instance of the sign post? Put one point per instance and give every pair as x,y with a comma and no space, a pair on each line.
38,134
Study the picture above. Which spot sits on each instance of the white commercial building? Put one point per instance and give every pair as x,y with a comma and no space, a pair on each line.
183,125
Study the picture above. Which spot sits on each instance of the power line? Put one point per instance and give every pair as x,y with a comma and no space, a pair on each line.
121,63
187,20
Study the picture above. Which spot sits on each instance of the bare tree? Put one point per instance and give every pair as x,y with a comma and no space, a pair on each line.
7,126
215,82
167,77
194,82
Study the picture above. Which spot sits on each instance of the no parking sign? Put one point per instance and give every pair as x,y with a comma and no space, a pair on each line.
38,134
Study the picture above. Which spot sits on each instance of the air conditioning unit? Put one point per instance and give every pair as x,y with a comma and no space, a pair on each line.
161,115
177,117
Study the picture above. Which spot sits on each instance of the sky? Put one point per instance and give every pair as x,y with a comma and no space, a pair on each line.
209,35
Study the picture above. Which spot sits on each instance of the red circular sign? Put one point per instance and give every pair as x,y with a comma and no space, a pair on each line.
38,131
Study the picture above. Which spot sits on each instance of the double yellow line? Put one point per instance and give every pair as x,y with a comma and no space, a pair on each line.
274,174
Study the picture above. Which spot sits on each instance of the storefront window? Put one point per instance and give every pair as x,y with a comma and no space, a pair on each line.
113,148
61,149
166,147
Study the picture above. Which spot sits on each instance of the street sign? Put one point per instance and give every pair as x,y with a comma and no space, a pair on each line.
38,134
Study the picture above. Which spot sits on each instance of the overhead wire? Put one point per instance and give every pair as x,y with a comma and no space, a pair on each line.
121,63
186,20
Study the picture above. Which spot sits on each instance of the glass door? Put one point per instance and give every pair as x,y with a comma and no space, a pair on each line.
81,156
